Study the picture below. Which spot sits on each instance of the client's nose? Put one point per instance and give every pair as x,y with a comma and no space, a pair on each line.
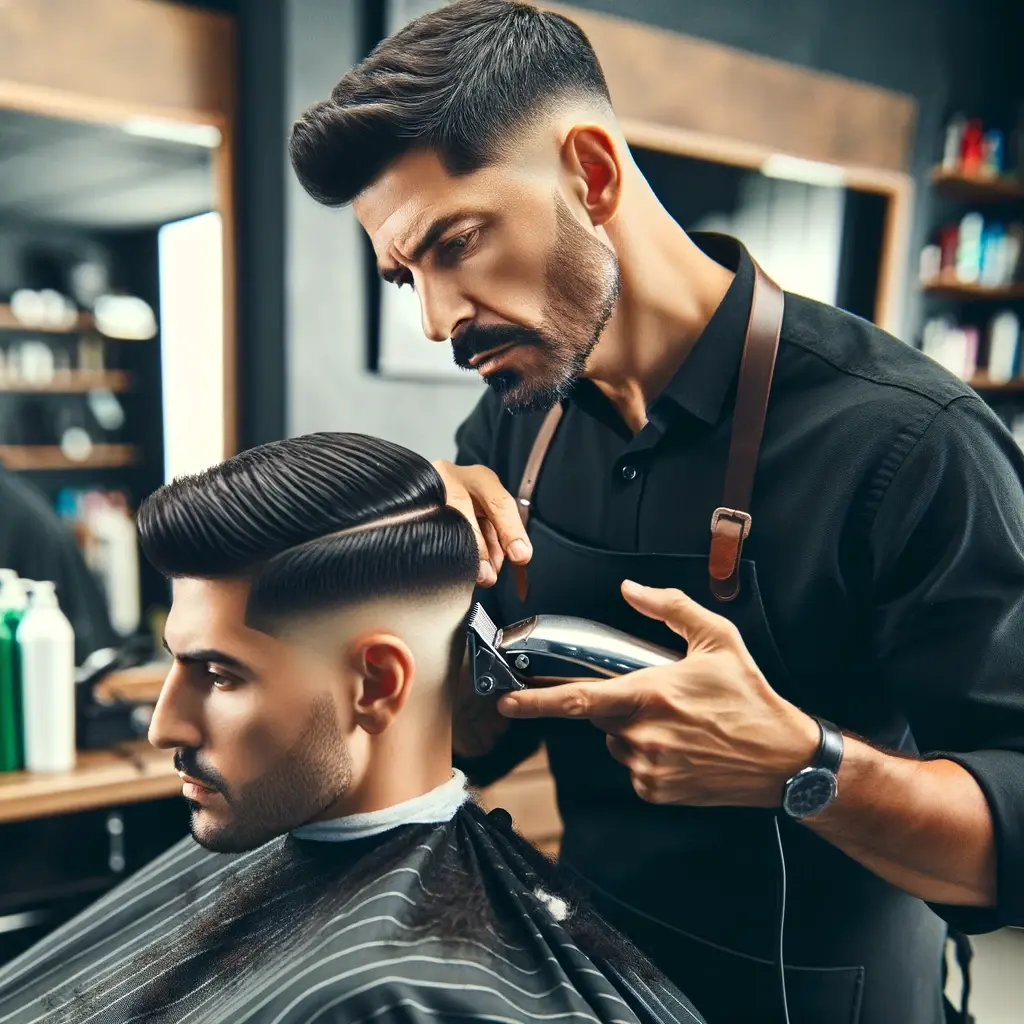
175,722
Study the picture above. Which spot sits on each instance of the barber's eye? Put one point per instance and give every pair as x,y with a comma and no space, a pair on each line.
455,248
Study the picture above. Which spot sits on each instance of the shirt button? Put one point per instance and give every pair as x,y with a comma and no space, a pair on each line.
629,472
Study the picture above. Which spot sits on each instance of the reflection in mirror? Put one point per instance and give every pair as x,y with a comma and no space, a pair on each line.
111,325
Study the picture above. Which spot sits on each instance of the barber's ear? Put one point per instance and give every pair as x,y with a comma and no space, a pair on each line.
386,666
590,156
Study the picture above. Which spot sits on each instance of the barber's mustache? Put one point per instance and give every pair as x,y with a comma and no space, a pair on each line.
187,761
477,339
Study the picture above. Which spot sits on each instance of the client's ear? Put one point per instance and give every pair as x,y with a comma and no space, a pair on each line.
385,666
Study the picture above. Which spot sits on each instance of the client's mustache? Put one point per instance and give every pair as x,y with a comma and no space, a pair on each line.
476,339
187,761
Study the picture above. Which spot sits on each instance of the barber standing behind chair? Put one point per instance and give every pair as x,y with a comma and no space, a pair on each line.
831,522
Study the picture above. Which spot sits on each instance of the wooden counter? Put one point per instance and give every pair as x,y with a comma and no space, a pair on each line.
128,773
134,771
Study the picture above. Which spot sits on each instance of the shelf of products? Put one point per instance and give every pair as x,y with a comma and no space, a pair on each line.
72,382
43,456
976,188
9,322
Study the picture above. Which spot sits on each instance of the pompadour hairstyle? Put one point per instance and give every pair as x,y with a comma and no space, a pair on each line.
315,522
461,81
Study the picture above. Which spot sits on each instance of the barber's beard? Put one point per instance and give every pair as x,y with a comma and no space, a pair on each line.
308,779
583,283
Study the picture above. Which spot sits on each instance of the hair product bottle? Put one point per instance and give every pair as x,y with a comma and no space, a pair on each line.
13,604
8,713
46,643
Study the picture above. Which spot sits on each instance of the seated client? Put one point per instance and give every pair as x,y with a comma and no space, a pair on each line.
337,870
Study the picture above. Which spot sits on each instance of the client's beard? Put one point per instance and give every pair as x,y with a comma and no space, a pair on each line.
309,778
583,285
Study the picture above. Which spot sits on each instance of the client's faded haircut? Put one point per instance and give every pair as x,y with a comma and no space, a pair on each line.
315,523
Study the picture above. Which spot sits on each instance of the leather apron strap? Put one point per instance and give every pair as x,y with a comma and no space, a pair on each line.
529,481
731,521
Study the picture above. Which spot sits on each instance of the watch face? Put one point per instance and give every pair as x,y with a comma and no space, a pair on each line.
809,792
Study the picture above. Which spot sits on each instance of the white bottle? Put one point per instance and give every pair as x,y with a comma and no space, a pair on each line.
117,559
13,595
46,644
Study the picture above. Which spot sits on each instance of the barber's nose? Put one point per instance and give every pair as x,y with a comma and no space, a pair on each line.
442,309
175,721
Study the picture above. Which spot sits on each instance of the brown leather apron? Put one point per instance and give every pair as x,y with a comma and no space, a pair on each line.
697,887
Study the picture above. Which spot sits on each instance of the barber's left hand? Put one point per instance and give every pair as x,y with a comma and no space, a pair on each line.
707,730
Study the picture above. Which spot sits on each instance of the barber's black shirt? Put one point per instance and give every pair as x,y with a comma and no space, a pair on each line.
888,532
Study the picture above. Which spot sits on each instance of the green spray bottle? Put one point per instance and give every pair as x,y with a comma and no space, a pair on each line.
13,604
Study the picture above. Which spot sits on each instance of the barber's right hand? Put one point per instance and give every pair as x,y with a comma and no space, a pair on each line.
480,496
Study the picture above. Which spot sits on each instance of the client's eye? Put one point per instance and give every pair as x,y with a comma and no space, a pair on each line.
219,679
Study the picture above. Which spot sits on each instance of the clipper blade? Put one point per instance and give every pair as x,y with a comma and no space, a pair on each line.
480,623
490,673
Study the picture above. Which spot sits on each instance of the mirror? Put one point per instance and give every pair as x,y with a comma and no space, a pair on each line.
112,323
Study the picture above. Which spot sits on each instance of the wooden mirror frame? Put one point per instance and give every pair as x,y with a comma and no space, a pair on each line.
689,97
112,60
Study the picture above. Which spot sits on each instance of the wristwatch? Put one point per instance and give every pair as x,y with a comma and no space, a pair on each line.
812,789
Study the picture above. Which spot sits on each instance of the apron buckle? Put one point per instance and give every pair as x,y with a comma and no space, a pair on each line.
731,513
729,529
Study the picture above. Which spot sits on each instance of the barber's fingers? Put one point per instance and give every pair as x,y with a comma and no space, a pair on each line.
461,500
495,555
492,503
598,700
496,505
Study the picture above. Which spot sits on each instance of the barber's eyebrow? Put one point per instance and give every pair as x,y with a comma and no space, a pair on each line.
205,656
427,241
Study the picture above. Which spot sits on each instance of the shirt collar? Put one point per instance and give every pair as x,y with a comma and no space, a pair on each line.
703,381
435,807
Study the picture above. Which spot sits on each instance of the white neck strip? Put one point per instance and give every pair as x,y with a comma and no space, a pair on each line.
435,807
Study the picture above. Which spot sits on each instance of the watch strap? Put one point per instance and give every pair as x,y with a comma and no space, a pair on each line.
830,752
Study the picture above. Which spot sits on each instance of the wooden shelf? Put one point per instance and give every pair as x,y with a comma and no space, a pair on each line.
134,771
142,683
975,188
41,457
9,322
128,773
73,382
953,288
980,382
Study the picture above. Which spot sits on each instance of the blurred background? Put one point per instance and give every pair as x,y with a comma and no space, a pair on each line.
169,295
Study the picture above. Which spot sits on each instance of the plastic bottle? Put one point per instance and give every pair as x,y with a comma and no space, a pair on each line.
46,643
8,711
13,604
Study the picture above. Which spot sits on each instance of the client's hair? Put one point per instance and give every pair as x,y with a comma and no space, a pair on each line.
315,522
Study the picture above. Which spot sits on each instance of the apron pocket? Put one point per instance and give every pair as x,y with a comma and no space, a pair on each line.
732,988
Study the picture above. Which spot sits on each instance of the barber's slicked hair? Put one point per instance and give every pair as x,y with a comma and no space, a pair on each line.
459,81
315,522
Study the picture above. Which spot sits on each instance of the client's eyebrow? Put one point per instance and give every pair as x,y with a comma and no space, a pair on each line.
205,656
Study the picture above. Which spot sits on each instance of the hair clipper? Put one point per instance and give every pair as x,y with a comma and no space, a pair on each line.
553,646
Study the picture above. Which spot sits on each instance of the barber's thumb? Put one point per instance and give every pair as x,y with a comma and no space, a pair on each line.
680,613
